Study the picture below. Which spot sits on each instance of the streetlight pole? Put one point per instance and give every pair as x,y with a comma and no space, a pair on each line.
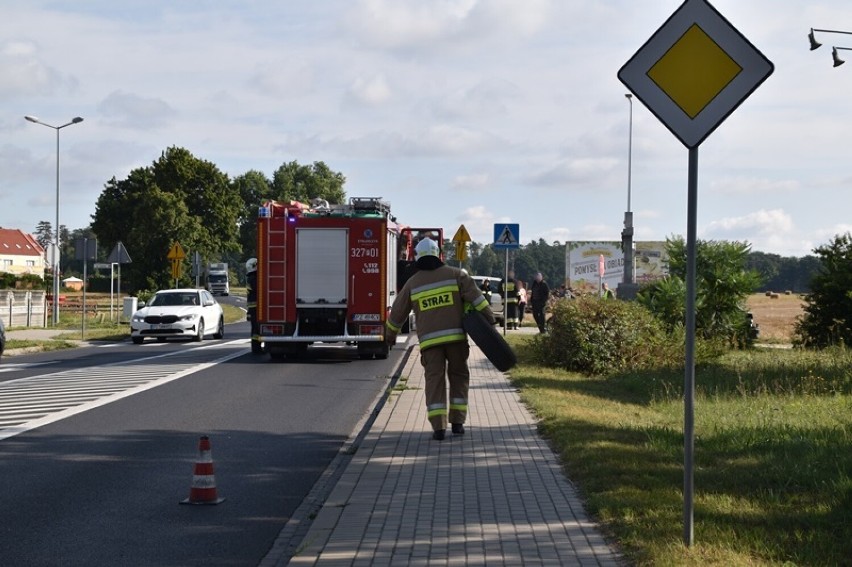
628,290
75,120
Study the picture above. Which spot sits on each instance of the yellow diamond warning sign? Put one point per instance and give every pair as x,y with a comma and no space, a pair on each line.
695,71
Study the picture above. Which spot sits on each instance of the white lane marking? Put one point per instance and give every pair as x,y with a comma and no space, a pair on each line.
48,398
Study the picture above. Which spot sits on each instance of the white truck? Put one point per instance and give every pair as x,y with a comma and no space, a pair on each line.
217,279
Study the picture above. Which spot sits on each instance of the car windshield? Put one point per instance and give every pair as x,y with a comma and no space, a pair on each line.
172,299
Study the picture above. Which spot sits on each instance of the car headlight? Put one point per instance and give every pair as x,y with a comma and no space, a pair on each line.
138,319
189,317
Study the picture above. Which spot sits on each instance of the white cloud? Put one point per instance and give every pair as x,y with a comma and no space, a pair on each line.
575,171
402,24
766,230
440,140
22,72
133,111
825,235
751,185
479,222
556,234
476,182
765,222
282,79
372,91
413,24
488,99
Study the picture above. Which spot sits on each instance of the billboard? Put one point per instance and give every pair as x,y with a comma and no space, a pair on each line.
582,264
651,261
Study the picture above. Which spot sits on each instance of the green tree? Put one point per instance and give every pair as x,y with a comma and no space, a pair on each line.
549,259
783,273
828,313
486,262
722,285
253,187
295,182
179,198
44,233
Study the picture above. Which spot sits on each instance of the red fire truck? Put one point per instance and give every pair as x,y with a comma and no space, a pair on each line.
329,273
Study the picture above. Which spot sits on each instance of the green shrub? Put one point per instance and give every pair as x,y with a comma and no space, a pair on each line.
722,285
598,336
828,314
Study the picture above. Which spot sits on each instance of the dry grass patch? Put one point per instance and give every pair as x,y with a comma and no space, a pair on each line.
776,317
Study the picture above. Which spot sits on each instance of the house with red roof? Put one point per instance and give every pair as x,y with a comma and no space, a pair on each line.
20,253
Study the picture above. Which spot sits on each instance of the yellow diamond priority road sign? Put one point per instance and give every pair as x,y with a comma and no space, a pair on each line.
695,71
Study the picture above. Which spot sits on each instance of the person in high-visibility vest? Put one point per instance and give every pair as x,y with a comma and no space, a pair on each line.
509,291
439,294
251,304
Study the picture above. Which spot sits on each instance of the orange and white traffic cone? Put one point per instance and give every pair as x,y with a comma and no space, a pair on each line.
203,490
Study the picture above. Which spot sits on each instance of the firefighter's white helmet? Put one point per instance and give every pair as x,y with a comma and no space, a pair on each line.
251,265
426,247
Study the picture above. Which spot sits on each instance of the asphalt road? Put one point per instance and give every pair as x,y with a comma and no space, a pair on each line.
102,487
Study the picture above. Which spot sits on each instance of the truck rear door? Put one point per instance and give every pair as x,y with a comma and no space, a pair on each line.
322,266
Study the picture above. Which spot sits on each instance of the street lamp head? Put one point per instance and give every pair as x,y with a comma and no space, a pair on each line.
837,60
629,96
76,120
814,43
32,118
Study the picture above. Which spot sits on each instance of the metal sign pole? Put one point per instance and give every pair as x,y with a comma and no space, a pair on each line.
689,378
506,294
85,280
111,290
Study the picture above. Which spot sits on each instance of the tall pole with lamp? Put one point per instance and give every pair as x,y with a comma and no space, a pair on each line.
628,289
56,241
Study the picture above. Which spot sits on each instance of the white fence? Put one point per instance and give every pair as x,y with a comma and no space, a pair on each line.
23,308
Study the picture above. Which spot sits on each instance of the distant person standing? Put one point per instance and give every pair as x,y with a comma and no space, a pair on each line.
509,292
522,301
539,294
607,293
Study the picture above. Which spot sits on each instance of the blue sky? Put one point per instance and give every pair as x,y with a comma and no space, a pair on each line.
466,111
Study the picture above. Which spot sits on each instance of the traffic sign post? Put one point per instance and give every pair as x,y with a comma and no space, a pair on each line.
117,257
176,255
461,238
506,237
692,74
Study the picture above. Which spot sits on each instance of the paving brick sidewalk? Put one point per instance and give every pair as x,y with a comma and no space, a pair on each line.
494,496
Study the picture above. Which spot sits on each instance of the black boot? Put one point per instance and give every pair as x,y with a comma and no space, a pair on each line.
438,434
458,429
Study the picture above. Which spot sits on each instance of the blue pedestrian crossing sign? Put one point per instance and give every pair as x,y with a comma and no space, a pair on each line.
507,236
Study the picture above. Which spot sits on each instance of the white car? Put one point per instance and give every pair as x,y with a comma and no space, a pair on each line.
178,313
494,296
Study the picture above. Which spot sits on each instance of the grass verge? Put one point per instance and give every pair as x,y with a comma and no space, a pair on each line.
773,455
98,328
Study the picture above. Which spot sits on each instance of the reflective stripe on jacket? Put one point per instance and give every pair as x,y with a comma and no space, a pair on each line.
438,298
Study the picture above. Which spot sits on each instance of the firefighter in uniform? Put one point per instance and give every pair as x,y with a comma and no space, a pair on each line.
509,292
251,303
438,295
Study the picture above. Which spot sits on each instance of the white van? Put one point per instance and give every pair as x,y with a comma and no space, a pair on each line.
496,298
